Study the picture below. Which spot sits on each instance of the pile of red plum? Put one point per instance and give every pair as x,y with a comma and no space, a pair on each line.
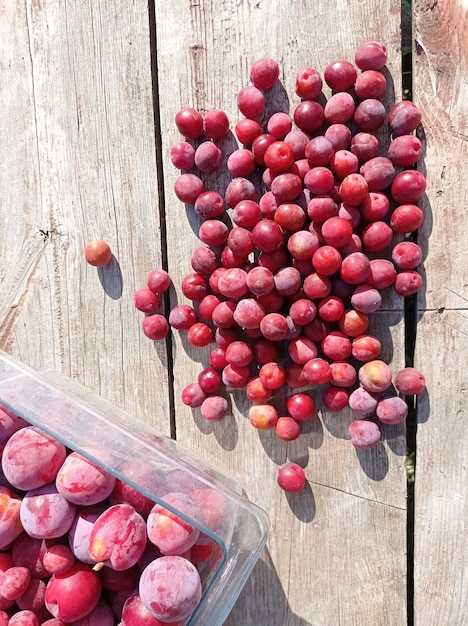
318,221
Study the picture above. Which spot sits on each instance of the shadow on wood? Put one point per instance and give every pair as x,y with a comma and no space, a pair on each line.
422,235
263,600
226,431
374,462
111,279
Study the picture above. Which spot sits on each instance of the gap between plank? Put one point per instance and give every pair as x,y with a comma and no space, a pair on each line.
410,323
161,200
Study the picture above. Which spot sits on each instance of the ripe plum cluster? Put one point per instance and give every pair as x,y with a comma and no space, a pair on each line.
288,274
147,299
79,546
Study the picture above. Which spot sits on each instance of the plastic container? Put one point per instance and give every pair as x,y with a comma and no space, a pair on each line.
154,465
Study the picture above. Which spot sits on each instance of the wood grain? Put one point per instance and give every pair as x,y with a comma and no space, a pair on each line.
441,506
441,503
440,90
325,550
78,163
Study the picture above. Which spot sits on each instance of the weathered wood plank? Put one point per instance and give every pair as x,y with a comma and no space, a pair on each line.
441,90
332,571
441,493
354,510
441,485
78,163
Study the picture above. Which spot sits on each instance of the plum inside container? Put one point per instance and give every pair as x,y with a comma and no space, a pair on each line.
223,531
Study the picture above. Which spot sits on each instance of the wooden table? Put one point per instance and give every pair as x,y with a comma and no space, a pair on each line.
89,90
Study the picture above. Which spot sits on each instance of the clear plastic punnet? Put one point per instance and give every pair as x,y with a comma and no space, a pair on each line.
153,464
